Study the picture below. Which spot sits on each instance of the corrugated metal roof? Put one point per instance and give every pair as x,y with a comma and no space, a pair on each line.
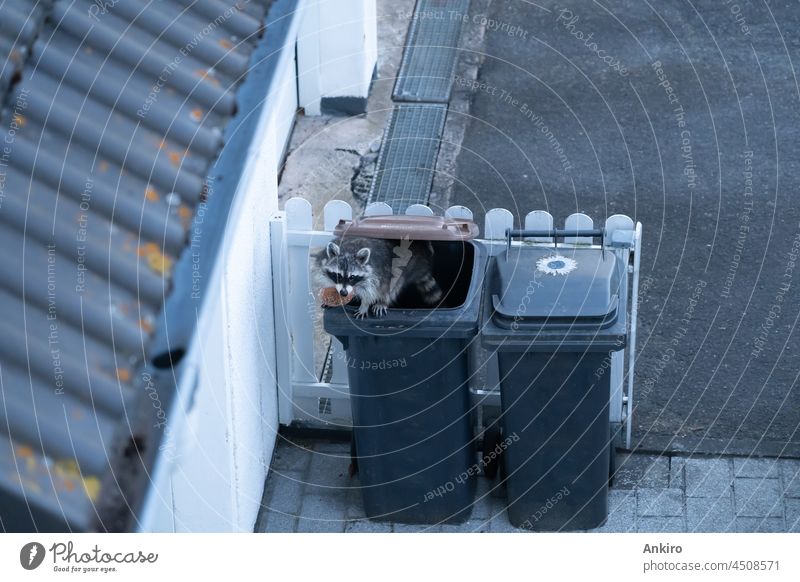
111,121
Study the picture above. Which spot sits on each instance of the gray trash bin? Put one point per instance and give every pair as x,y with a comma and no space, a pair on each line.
412,418
554,315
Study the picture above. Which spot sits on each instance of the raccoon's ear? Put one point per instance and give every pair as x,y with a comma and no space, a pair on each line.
363,255
332,250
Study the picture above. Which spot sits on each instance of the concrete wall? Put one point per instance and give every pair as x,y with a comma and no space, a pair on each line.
337,53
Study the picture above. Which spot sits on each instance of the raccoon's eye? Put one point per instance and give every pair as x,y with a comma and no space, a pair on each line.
353,279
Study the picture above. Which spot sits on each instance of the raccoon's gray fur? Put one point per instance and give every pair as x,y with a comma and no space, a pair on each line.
377,271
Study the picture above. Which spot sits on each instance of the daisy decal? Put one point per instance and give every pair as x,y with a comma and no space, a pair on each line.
556,265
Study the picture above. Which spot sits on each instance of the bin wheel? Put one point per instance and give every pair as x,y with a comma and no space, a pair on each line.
353,468
491,440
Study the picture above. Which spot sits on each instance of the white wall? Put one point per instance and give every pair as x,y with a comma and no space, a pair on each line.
224,443
225,427
337,50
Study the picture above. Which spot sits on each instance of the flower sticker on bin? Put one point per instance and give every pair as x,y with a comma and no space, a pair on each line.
556,265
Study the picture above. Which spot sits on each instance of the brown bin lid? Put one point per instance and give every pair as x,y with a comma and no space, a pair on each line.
414,227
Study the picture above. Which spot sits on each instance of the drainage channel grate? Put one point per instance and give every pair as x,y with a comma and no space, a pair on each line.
408,156
429,60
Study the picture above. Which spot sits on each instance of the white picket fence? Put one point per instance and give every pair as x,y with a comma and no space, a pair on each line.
303,398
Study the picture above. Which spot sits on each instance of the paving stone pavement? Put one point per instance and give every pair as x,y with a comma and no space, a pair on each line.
310,490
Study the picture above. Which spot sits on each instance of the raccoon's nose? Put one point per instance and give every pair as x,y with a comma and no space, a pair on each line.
343,292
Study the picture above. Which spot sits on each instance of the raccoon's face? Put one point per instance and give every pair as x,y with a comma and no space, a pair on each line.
346,270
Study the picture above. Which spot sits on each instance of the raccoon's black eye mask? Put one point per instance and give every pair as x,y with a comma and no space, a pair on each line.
350,280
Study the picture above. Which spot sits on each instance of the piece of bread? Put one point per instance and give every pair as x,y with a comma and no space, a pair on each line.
330,297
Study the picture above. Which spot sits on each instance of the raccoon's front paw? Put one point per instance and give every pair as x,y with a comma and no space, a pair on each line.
379,309
363,311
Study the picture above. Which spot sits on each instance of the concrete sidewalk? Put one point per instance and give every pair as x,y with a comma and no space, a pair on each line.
309,490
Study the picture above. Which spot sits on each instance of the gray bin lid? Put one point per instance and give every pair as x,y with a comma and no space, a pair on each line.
546,286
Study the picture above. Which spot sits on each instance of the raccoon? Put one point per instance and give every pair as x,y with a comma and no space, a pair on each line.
378,271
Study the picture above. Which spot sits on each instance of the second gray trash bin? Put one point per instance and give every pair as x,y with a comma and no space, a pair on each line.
554,316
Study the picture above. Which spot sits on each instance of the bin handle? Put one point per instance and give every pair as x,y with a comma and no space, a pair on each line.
555,234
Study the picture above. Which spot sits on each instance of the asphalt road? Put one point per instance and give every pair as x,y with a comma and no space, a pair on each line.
685,116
